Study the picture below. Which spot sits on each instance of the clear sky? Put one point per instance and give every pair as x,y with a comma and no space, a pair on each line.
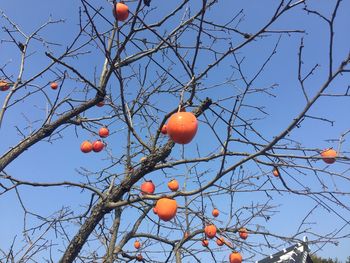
61,159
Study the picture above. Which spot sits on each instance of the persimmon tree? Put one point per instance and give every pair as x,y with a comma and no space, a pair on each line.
267,83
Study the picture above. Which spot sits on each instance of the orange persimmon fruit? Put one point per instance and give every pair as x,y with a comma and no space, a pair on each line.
182,127
329,155
121,11
166,208
86,146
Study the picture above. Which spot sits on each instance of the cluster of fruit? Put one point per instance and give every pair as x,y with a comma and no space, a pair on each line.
96,146
166,210
211,231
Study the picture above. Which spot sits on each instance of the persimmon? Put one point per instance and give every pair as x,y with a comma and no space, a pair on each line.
329,155
121,11
166,208
97,146
139,257
275,172
137,244
173,185
148,187
182,127
215,212
210,231
86,146
164,129
243,233
100,104
235,257
220,241
205,242
103,132
154,210
4,85
54,85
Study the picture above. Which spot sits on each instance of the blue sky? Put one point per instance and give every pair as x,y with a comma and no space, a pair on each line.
61,159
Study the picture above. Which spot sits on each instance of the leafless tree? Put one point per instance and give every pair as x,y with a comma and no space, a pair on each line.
166,57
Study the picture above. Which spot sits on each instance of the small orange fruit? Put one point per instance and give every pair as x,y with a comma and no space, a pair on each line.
100,104
220,241
243,233
210,231
4,85
137,244
97,146
148,187
275,172
139,257
121,11
173,185
329,155
205,242
235,257
103,132
86,146
54,85
215,212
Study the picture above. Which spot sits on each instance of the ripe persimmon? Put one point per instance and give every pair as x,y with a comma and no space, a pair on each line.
215,212
86,146
166,208
210,231
205,242
121,11
54,85
4,85
137,244
220,241
243,233
275,172
329,155
139,257
103,132
182,127
173,185
100,104
148,187
235,257
97,146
